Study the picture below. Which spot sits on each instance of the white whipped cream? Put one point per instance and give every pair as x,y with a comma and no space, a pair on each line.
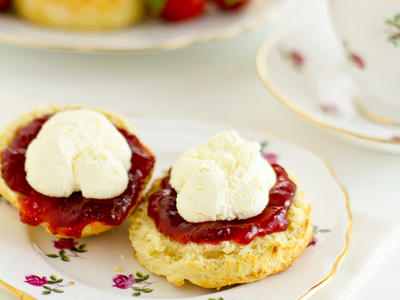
78,150
225,178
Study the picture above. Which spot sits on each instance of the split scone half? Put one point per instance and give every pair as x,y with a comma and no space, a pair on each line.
223,215
81,14
73,216
226,263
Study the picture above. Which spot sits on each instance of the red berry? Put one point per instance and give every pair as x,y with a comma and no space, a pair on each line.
178,10
5,4
231,4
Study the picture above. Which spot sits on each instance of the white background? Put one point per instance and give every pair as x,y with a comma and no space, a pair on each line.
218,82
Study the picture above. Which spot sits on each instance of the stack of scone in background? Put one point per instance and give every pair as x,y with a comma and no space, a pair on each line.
78,14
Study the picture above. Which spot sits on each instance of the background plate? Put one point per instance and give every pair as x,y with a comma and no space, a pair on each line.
148,35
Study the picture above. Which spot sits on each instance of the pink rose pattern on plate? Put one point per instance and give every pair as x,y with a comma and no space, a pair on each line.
65,244
71,245
35,280
395,138
129,281
295,57
123,281
394,25
354,57
272,158
316,231
356,60
51,285
329,108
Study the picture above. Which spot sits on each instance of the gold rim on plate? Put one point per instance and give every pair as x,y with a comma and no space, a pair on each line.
21,295
324,282
271,17
263,73
316,287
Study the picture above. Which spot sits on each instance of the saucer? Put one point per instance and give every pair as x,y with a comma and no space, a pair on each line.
304,67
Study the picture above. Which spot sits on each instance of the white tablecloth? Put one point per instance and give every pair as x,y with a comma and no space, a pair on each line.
218,82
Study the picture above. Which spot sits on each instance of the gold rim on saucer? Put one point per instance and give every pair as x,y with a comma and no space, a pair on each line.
373,116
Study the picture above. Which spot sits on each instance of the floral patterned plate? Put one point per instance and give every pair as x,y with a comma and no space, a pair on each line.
304,67
149,35
103,267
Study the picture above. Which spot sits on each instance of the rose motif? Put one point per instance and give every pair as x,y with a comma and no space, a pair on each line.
313,242
357,60
53,285
297,58
271,157
395,138
123,281
65,244
329,108
35,280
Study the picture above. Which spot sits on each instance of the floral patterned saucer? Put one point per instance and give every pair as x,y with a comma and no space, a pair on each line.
35,264
304,67
150,35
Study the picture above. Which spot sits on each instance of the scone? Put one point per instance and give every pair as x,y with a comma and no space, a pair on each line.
75,171
225,250
81,14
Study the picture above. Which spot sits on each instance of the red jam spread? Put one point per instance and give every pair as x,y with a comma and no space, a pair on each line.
162,209
68,216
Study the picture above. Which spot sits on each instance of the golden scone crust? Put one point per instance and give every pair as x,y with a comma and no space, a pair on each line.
8,135
226,263
81,14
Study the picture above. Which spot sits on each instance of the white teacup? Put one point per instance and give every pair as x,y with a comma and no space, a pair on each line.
370,32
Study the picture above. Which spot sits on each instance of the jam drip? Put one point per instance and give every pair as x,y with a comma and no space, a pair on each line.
162,209
68,216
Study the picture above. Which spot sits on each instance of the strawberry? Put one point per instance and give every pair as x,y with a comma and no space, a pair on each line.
231,4
176,10
4,4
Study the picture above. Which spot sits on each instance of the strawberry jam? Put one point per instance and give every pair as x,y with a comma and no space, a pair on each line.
162,209
68,216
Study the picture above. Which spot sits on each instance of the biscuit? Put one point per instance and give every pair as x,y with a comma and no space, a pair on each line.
81,14
225,263
9,133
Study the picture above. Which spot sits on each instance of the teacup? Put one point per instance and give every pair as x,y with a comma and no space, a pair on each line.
370,32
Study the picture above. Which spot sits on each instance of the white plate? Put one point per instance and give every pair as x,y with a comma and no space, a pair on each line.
24,249
304,67
148,35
